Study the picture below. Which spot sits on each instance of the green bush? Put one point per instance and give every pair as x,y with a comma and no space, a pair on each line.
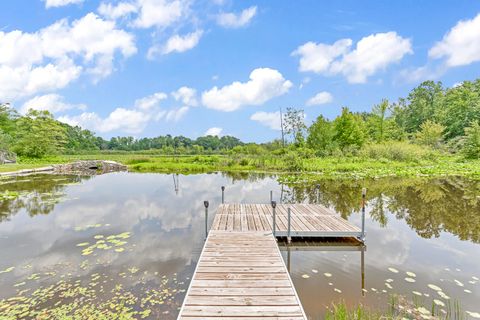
471,147
397,151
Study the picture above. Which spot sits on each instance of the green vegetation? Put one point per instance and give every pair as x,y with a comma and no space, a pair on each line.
398,308
434,131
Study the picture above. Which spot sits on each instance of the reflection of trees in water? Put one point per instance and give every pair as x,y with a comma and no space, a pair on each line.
248,176
429,206
38,194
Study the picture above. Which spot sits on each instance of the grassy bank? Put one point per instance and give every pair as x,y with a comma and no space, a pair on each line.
304,168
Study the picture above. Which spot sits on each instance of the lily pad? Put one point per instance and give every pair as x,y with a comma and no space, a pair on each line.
439,302
328,275
434,287
305,276
393,270
475,315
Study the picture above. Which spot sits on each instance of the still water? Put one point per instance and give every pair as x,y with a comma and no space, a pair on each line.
126,243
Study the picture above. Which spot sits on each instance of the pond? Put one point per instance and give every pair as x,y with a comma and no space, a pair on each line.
126,243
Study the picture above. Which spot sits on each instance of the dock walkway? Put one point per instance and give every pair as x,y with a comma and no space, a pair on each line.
241,273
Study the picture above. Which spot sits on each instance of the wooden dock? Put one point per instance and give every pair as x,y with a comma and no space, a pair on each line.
241,273
306,220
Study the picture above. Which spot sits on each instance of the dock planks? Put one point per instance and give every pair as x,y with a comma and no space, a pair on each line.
306,220
241,274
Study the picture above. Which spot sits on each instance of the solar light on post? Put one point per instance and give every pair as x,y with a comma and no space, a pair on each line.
205,203
223,194
274,205
364,195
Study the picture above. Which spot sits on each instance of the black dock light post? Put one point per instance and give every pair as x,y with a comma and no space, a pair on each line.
289,238
271,195
205,203
223,194
364,195
274,205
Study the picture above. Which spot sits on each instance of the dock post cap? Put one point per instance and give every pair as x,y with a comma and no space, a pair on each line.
274,204
364,192
205,203
223,188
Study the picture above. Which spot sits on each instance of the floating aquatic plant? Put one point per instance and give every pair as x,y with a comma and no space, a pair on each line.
434,287
393,270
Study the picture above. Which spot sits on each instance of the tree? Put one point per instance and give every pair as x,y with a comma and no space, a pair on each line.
430,134
424,102
294,125
377,120
461,106
349,129
471,147
39,134
320,136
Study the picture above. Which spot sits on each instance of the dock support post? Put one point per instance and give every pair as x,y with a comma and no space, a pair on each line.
289,238
223,194
364,195
274,205
205,203
362,267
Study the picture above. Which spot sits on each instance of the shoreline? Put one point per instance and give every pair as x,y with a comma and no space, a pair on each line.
308,170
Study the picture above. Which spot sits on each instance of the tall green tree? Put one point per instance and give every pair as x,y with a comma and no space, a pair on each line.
378,119
461,106
424,102
471,148
39,134
320,136
349,129
294,125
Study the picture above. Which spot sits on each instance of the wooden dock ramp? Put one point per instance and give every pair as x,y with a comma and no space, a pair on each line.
241,273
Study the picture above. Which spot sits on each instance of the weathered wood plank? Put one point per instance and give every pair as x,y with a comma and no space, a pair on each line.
245,277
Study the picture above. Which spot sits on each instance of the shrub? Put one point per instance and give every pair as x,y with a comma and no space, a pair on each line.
397,151
471,147
430,134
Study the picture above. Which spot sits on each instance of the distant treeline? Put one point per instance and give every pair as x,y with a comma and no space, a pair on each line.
435,117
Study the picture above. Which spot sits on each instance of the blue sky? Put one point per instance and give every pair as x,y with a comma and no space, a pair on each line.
186,67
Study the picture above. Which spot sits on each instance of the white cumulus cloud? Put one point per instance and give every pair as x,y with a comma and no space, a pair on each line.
264,84
130,120
320,98
150,102
371,54
60,3
233,20
54,56
120,10
178,43
188,96
120,119
175,115
268,119
461,45
160,13
51,102
214,131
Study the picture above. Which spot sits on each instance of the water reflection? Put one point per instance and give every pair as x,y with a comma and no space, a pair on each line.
326,245
427,226
429,206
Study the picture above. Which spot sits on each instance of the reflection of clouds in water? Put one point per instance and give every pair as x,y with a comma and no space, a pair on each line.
168,232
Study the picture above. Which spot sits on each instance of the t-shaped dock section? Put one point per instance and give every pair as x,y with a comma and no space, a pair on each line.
241,273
